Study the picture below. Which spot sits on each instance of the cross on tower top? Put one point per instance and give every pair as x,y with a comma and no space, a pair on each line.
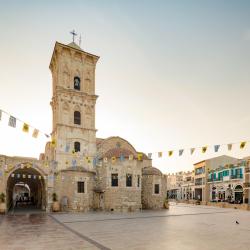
73,34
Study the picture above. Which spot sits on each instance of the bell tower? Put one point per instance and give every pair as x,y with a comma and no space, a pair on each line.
73,104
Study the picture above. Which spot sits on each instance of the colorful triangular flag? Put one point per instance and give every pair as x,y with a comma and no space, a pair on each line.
53,142
204,149
139,156
26,128
159,154
121,157
12,122
229,146
35,133
216,148
113,159
181,152
131,157
242,144
170,153
192,150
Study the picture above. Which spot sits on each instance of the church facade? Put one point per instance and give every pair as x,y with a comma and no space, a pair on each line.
86,172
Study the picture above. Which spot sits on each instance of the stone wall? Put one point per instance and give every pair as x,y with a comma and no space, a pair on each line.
66,185
150,200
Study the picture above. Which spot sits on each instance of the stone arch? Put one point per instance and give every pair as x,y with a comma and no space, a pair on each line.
31,175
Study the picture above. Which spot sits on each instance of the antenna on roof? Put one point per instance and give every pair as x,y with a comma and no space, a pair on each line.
80,40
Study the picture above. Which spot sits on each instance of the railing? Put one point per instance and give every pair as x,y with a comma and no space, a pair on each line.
238,176
246,184
214,179
247,170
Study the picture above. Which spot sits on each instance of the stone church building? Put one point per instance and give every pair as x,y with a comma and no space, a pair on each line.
86,173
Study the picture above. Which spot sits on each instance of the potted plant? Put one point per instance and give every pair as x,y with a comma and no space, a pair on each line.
2,203
55,204
166,205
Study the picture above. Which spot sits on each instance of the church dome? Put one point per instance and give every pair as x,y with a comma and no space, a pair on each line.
74,45
151,171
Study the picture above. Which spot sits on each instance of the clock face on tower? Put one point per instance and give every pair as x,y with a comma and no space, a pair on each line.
77,81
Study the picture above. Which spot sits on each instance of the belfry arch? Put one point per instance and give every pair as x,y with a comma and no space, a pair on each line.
27,177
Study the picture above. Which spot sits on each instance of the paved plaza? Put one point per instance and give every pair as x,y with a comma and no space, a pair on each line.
181,227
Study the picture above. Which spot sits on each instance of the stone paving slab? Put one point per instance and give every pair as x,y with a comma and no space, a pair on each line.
182,227
37,232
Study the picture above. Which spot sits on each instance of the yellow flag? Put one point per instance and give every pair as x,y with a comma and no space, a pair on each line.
73,152
113,159
131,157
35,133
139,157
25,128
88,159
53,142
204,149
170,153
242,144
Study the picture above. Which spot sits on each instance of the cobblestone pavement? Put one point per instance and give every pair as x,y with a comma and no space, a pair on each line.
182,227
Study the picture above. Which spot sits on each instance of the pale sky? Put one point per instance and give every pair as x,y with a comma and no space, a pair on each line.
171,74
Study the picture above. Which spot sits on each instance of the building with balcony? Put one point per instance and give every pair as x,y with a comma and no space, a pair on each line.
201,174
226,183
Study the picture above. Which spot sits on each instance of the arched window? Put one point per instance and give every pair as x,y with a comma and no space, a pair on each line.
77,83
77,146
77,117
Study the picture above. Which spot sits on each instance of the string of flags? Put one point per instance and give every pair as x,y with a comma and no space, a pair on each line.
203,149
12,122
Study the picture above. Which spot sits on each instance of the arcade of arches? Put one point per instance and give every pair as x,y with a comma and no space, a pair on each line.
25,188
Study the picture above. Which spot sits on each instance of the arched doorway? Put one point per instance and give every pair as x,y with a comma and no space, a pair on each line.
25,189
238,194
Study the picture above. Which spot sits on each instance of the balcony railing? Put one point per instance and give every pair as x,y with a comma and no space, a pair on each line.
238,176
247,169
246,185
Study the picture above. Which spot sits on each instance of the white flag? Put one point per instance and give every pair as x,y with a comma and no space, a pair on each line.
12,121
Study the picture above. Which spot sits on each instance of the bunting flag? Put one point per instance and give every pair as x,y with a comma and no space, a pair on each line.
25,128
216,148
159,154
204,149
35,133
242,144
12,122
170,153
131,157
113,159
74,163
150,155
53,142
139,156
229,146
181,152
122,157
192,150
95,160
105,159
67,147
